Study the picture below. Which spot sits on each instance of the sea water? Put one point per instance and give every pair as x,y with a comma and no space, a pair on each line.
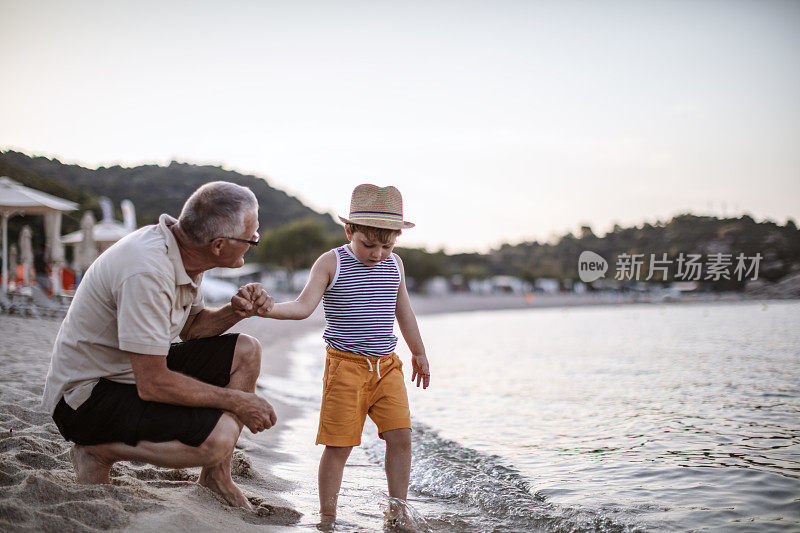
667,417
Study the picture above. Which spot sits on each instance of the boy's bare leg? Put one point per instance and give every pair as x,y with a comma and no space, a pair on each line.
398,464
93,463
331,468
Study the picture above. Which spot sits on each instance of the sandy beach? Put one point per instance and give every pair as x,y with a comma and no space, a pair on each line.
38,488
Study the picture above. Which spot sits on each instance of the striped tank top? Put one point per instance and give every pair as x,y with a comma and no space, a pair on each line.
360,305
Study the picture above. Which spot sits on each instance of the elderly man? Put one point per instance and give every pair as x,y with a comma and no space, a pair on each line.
120,390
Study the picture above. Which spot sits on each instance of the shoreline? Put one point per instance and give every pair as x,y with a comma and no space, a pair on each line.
461,303
39,491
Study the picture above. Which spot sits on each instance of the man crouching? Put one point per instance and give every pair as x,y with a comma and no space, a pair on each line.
121,390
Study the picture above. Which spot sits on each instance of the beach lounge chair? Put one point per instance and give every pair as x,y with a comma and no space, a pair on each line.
17,303
45,305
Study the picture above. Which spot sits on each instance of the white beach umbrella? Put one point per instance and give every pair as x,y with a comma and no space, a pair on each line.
128,215
107,231
54,249
86,250
26,253
13,254
16,199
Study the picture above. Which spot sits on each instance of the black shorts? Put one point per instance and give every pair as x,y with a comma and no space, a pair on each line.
115,413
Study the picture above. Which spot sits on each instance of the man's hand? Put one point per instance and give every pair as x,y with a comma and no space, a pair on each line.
255,412
421,370
251,300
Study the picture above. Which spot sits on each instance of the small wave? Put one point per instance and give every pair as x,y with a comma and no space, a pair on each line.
503,497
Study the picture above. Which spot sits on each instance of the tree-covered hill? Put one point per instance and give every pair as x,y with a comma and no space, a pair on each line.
779,247
153,189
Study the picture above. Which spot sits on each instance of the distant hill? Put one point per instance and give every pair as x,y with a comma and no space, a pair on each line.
153,189
778,245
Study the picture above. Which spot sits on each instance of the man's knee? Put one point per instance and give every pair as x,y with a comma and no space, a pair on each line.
220,442
248,352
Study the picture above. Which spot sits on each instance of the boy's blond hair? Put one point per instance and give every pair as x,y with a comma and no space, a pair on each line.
383,235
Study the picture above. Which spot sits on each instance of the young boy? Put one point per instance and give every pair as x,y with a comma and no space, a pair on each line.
362,285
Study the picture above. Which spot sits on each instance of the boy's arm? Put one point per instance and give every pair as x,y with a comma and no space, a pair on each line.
210,322
321,275
410,330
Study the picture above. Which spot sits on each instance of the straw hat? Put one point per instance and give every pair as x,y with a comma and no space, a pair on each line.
379,207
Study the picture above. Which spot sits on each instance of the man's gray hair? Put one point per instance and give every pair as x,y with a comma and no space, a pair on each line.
216,209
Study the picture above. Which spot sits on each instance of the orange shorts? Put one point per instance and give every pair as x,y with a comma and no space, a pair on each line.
355,386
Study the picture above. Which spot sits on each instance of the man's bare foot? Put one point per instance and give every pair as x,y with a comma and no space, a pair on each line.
217,479
90,467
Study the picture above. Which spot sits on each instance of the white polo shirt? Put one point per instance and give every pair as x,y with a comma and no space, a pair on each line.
136,297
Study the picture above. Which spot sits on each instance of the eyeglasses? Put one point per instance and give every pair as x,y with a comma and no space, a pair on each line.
251,243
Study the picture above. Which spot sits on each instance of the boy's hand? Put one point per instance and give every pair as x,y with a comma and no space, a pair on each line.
251,300
420,370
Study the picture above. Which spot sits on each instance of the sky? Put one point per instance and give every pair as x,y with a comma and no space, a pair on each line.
500,121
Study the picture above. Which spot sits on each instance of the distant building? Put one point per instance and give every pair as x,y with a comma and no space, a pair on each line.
438,286
216,291
685,286
500,284
247,273
278,281
483,286
547,285
606,284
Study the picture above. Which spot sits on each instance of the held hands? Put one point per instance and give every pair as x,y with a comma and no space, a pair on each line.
255,412
420,370
252,300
